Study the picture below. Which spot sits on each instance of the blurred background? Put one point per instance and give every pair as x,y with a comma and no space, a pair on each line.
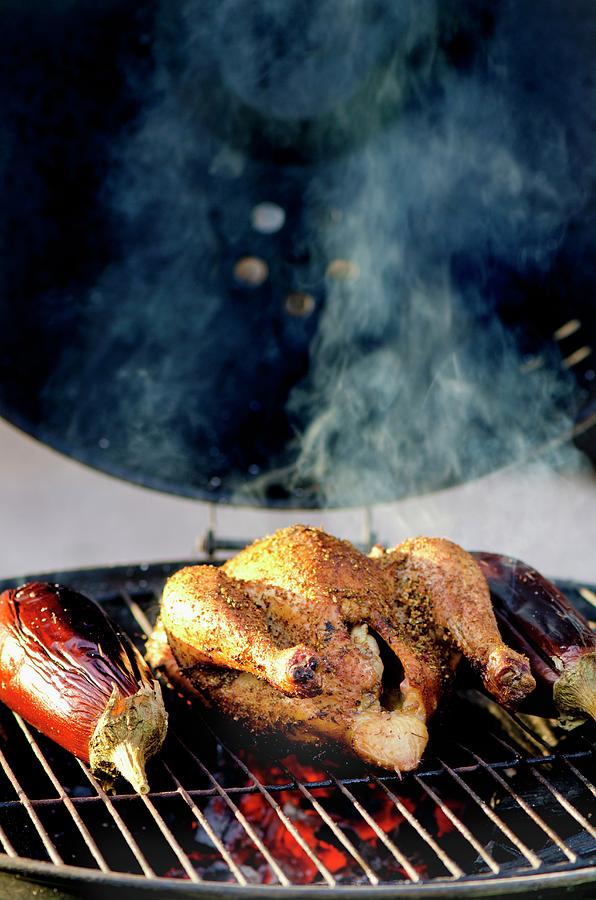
58,514
313,261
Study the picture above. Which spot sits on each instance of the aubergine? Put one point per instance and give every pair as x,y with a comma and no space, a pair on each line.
66,670
537,619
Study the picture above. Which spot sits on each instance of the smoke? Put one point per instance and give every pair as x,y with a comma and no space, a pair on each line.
446,179
414,381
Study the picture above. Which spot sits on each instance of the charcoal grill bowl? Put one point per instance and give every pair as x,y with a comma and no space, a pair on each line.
20,874
75,884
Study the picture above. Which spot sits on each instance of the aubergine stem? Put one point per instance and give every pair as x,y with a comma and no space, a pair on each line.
574,692
130,731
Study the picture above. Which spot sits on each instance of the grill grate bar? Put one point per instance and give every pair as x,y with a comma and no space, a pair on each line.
204,822
124,830
553,790
145,625
26,802
459,825
538,820
534,860
449,863
239,816
8,848
585,781
588,784
555,757
324,871
339,834
324,783
565,758
564,802
137,613
395,852
171,840
66,801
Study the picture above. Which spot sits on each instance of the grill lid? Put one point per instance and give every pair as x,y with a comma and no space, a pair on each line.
290,253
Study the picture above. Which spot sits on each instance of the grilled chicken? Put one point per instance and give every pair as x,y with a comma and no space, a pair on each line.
446,585
304,592
303,635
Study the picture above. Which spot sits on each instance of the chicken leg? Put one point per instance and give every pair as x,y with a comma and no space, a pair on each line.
442,582
211,618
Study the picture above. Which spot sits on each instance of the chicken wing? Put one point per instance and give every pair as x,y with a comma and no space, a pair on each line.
445,585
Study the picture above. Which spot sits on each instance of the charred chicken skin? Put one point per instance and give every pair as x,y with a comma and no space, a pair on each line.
304,594
303,635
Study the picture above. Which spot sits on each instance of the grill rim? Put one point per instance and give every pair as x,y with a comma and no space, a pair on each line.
498,887
556,880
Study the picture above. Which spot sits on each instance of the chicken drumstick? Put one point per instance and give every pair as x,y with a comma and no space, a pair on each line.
445,584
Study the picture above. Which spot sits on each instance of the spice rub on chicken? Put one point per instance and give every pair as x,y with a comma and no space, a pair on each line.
302,634
231,631
444,585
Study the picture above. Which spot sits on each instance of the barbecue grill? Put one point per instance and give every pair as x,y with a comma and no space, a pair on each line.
186,289
496,810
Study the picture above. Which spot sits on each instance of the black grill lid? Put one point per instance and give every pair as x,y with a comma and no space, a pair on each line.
304,254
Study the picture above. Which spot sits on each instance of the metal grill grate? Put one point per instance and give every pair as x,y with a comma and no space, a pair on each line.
493,803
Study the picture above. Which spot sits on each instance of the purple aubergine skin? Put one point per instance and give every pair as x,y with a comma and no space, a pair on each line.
67,671
537,619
